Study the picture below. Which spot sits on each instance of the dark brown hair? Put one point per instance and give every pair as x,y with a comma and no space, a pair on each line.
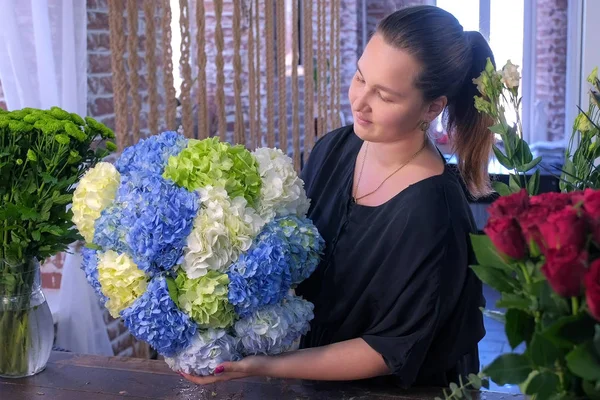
450,58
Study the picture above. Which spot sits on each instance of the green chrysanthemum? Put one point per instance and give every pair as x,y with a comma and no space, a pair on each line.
205,299
210,162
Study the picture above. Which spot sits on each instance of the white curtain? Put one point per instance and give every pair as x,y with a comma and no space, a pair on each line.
43,63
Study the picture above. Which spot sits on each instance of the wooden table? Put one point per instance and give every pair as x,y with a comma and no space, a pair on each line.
83,377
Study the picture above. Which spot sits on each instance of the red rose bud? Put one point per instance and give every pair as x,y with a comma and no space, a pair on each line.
565,268
551,201
591,202
592,289
506,236
509,206
564,228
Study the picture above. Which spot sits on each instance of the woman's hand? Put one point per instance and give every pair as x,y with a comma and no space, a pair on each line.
349,360
249,366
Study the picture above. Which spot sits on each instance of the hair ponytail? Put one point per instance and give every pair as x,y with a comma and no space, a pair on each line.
451,58
469,129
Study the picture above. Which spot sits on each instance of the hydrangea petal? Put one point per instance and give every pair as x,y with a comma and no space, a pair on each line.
95,191
154,318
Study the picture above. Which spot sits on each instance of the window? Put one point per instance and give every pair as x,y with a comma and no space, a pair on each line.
501,22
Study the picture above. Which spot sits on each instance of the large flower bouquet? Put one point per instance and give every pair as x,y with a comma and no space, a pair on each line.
198,246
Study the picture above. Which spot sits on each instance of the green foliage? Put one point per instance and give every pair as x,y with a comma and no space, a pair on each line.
43,153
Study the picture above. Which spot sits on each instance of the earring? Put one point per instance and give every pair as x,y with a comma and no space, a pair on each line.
424,126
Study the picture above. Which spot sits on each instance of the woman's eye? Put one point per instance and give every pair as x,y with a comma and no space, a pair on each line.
358,78
383,98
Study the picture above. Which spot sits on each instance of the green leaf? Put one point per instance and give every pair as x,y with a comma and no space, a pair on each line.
48,178
36,235
571,330
584,363
173,292
544,385
525,153
591,390
519,327
501,188
597,339
529,165
533,184
514,183
28,214
509,369
63,199
455,390
502,159
498,129
475,381
542,351
495,278
509,300
486,253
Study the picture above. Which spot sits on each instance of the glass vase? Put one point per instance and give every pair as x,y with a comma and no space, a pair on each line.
26,325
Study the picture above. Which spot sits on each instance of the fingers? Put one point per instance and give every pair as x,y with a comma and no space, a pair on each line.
218,377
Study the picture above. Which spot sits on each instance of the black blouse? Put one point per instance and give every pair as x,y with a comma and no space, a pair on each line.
396,275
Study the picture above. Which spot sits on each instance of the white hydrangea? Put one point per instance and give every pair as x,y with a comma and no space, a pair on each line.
95,191
276,328
207,350
222,230
282,191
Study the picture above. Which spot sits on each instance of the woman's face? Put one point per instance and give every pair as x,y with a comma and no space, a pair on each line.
386,105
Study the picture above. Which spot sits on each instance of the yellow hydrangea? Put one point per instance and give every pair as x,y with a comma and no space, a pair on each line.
121,281
96,191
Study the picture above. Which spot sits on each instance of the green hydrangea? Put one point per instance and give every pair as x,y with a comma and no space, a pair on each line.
210,162
205,299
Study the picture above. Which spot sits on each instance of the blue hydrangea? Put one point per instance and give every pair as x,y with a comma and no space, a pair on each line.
154,318
261,276
150,220
305,244
151,155
90,267
275,328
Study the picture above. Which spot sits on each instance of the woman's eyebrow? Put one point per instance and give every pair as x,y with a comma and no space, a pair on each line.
383,88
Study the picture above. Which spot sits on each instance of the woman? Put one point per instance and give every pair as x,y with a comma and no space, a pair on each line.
394,294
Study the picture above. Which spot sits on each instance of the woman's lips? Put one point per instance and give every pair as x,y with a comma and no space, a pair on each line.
362,121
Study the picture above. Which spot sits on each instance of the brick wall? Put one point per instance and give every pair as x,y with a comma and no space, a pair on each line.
551,63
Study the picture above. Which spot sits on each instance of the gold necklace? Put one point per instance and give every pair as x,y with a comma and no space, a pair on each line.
356,199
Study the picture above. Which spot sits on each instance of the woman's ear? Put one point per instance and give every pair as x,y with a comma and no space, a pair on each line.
435,108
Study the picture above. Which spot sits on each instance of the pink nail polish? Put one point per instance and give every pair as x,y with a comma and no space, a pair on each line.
220,369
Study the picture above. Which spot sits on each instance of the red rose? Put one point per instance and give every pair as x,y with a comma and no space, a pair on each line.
592,289
577,198
506,236
591,202
591,205
530,222
565,268
551,201
563,228
509,206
